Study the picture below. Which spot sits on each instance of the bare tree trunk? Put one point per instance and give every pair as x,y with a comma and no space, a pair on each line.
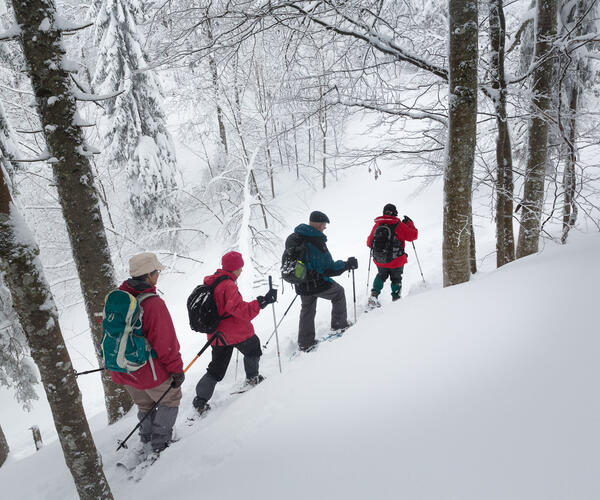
462,129
38,316
215,80
569,179
505,241
4,449
323,125
43,50
472,252
537,148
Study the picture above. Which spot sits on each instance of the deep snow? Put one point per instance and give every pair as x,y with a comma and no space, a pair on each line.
487,390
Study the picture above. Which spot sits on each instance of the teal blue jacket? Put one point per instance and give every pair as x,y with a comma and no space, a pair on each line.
317,256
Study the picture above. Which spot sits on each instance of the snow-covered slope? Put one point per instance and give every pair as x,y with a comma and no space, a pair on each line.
487,390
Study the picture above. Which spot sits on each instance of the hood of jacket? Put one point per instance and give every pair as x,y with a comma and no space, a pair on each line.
307,230
386,219
209,280
136,287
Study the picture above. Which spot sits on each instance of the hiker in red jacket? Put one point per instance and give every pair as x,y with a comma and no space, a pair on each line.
146,385
235,330
386,242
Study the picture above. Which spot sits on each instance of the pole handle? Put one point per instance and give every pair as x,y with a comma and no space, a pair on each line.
270,282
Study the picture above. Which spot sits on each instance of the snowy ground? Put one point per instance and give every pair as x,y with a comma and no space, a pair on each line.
486,390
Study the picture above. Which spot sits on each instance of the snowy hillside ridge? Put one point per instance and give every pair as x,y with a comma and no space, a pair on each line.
482,390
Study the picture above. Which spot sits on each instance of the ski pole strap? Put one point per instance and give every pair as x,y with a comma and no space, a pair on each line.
89,371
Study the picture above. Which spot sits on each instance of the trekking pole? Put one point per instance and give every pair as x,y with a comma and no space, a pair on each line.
280,320
354,294
369,271
237,357
122,444
89,371
275,323
421,270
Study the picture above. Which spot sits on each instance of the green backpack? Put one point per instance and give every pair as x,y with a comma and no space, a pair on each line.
124,347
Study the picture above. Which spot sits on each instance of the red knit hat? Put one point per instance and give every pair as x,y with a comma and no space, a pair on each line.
232,261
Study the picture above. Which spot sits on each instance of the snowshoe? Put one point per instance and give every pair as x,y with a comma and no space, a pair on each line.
200,412
373,303
134,456
249,384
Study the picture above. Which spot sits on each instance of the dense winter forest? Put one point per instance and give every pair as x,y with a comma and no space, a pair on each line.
180,126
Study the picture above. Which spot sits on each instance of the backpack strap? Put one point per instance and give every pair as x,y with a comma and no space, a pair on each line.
214,286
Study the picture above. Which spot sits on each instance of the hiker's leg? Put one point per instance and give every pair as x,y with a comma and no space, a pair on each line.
380,277
339,314
252,352
144,404
221,355
306,329
396,275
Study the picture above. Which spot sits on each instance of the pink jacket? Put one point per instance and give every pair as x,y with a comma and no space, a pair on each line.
229,301
158,328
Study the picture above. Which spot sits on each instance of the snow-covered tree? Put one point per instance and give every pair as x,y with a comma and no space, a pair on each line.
137,139
16,369
38,315
40,36
462,133
537,147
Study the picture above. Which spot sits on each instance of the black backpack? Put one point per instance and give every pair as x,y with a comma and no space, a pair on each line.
385,245
293,268
202,308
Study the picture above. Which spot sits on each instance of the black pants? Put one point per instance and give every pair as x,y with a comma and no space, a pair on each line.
221,355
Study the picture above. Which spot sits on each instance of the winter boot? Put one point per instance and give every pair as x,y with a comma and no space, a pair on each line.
373,302
252,381
339,331
201,406
395,297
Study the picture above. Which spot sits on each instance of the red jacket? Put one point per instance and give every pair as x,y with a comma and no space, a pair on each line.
404,232
238,327
158,328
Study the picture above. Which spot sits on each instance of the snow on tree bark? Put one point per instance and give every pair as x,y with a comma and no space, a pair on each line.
38,315
4,449
537,147
56,106
505,240
462,129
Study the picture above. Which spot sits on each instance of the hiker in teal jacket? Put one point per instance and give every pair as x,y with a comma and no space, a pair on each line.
320,268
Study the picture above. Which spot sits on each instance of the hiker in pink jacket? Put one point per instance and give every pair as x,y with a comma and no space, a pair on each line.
236,329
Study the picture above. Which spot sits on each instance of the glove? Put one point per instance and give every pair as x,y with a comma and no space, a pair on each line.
351,263
406,219
269,298
178,379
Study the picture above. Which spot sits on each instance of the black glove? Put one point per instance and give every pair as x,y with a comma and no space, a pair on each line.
178,379
269,298
406,219
351,263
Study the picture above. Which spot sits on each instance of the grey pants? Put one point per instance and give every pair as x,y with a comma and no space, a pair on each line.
157,429
339,314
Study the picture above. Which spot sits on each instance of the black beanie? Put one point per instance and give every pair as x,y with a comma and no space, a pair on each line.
390,209
317,216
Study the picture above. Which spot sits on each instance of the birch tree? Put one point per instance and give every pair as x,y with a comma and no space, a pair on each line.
537,146
40,35
38,315
462,129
